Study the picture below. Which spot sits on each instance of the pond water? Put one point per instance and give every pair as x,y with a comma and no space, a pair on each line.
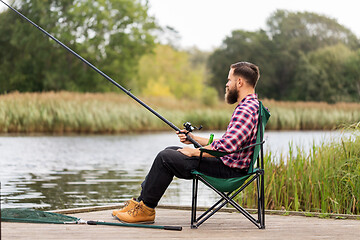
58,172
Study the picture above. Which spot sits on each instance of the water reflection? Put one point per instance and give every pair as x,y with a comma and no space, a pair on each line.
74,189
69,189
58,172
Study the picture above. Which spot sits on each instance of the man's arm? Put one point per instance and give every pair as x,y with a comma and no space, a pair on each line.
183,138
236,134
193,152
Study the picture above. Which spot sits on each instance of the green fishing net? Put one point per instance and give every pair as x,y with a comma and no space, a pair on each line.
34,216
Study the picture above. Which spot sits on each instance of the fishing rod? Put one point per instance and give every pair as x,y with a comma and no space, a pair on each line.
24,215
186,125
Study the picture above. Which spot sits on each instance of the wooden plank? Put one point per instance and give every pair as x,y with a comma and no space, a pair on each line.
222,225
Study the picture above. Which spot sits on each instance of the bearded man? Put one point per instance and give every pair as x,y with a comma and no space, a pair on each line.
179,162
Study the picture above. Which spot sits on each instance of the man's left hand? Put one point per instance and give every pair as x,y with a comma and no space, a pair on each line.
190,152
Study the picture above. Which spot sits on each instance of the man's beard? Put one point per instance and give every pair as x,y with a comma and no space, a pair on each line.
231,96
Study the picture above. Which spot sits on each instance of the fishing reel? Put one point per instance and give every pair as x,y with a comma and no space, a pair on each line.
188,127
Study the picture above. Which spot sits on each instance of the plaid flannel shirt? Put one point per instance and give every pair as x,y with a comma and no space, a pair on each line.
240,133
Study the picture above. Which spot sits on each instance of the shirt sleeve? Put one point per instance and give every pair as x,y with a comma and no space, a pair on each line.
238,132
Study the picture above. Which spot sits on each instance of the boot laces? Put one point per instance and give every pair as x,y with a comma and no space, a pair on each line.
134,212
126,204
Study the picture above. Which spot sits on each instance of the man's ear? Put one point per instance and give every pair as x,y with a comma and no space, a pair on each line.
240,82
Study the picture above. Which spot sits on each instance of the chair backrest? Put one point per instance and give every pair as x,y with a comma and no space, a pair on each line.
264,116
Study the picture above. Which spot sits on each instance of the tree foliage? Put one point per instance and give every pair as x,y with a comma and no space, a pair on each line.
168,72
111,34
302,56
320,75
247,46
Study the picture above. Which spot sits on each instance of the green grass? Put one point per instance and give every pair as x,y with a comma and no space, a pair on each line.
311,115
326,180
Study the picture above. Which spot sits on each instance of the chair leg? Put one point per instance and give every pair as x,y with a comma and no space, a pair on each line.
194,202
228,198
258,191
262,198
212,207
206,215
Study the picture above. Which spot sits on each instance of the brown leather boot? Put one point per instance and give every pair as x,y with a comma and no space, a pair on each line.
138,214
127,206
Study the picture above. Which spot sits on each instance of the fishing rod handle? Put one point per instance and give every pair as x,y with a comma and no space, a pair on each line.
196,144
190,139
175,228
92,222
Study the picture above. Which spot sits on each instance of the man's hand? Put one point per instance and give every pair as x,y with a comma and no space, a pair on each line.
183,136
190,152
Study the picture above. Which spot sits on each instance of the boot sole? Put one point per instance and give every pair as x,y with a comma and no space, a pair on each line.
145,222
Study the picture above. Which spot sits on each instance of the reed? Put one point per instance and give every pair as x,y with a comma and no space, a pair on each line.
64,112
311,115
326,180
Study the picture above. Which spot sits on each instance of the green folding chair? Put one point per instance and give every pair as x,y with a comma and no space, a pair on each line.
230,187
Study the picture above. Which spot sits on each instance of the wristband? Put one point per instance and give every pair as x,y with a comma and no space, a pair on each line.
211,139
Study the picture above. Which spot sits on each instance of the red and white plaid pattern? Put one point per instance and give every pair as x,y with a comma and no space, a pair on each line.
240,133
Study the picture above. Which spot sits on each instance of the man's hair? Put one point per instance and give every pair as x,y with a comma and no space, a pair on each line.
247,70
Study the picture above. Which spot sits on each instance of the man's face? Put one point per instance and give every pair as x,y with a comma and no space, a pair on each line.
231,92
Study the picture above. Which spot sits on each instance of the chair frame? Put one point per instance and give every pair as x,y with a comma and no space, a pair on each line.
256,174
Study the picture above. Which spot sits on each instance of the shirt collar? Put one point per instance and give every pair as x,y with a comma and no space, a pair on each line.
250,96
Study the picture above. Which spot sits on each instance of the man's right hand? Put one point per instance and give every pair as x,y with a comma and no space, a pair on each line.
183,136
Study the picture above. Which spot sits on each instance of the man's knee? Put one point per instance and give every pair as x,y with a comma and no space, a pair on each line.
167,155
172,148
177,163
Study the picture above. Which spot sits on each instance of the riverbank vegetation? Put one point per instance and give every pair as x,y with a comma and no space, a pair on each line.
101,113
325,180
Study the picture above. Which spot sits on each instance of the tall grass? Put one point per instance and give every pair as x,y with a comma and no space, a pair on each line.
116,113
311,115
98,113
72,112
326,180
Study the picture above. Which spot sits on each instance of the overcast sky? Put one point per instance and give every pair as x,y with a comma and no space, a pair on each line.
205,23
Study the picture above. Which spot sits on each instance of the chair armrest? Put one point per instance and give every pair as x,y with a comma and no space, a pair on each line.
221,153
252,145
213,152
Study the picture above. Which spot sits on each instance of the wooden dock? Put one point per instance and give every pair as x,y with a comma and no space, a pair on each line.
223,225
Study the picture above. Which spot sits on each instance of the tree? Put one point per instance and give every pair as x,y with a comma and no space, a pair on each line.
112,35
289,44
253,47
298,33
306,31
351,73
320,75
170,73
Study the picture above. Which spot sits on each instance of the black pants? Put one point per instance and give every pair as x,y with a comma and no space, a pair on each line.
169,163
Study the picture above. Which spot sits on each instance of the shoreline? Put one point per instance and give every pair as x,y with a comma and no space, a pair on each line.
225,209
147,132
